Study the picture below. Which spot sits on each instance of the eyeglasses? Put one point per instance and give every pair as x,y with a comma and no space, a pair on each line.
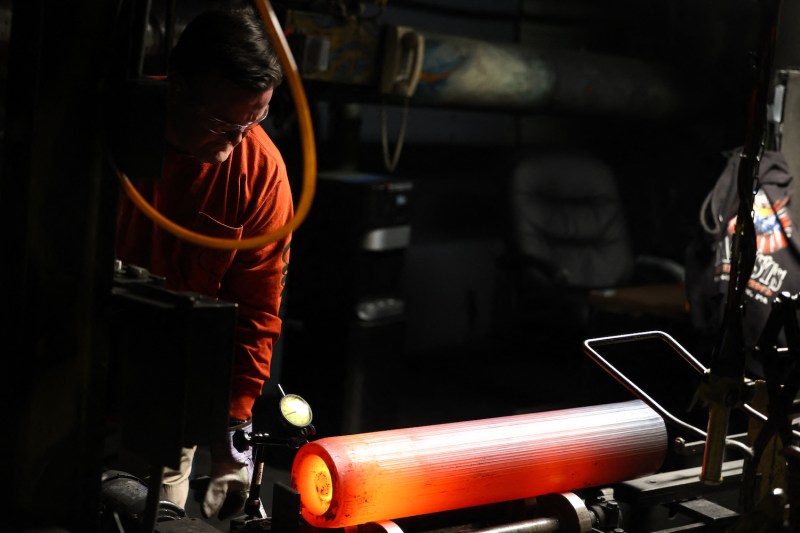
221,127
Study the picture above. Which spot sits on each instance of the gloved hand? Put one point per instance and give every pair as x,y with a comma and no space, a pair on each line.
231,472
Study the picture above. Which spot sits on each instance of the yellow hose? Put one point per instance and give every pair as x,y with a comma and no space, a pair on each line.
309,158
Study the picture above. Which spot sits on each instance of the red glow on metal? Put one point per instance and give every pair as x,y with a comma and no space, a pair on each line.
355,479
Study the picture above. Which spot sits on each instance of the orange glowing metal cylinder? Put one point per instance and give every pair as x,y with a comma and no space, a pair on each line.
355,479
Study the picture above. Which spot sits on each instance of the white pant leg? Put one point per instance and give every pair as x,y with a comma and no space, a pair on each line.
175,485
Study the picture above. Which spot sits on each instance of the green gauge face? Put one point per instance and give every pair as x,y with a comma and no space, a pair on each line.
295,410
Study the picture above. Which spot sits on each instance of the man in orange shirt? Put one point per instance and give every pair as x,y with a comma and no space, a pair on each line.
222,177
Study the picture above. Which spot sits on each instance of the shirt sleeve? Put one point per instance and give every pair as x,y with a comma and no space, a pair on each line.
255,281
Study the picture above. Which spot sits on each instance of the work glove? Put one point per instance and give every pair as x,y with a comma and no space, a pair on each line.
231,472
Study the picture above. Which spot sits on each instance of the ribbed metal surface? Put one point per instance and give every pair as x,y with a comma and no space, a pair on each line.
354,479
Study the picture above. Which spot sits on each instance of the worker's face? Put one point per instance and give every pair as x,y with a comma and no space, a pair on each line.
208,119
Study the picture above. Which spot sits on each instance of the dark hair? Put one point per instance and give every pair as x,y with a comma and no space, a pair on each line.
231,44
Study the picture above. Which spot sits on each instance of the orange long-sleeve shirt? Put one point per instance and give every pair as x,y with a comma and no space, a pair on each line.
248,195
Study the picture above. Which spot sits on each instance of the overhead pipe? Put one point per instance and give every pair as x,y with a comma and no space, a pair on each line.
464,72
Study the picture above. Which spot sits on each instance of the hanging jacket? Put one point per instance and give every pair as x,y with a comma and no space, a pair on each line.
777,262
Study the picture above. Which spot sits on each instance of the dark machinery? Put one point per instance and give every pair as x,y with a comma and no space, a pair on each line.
667,500
130,504
621,505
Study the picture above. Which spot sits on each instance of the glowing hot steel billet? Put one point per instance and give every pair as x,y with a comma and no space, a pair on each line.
355,479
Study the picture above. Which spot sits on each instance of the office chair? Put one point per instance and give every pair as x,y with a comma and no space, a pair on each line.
568,247
566,234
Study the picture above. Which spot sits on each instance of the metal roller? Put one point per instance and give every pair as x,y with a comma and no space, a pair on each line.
370,477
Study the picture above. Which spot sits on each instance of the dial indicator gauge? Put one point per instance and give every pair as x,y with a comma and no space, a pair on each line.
295,410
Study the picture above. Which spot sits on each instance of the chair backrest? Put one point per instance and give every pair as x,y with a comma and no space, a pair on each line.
565,212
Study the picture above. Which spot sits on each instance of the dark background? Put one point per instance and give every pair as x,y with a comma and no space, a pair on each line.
64,70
